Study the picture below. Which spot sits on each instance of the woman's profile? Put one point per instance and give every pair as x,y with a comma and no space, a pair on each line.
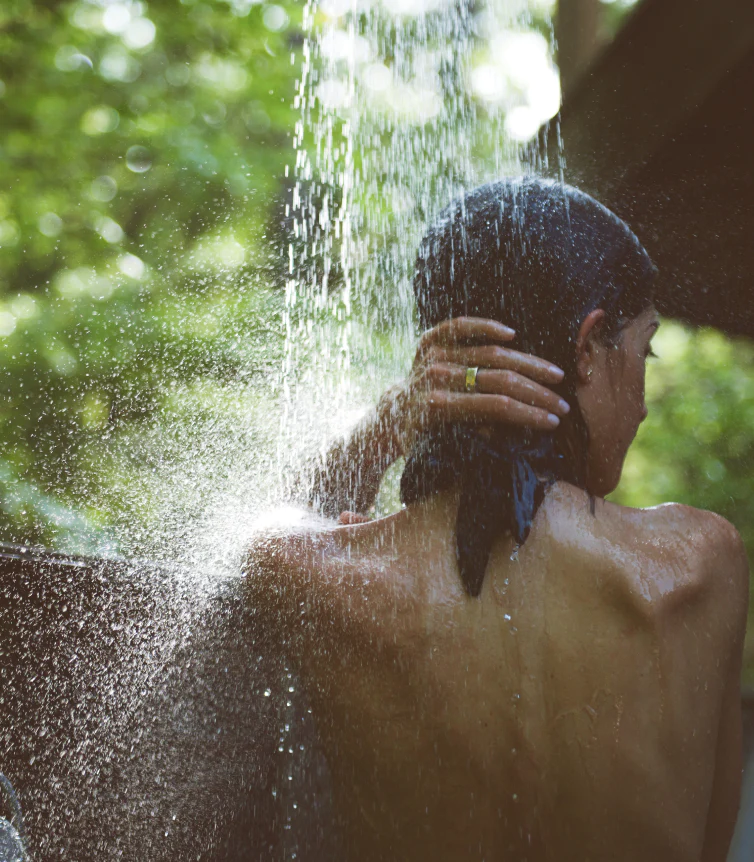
511,667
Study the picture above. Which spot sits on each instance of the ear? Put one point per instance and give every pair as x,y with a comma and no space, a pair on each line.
587,343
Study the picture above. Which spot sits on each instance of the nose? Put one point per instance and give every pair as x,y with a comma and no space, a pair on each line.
644,412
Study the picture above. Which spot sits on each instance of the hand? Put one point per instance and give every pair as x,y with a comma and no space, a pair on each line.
511,389
509,385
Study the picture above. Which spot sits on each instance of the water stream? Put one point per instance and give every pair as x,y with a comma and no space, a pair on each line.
401,104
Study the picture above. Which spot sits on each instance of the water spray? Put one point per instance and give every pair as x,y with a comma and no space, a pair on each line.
12,838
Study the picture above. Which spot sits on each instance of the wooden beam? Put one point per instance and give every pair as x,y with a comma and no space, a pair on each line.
577,33
668,59
661,128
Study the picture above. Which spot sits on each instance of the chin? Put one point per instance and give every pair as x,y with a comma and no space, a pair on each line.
598,489
604,482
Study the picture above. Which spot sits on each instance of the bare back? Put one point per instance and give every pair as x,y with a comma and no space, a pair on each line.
575,711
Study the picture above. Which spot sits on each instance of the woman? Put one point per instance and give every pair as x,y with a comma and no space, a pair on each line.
511,667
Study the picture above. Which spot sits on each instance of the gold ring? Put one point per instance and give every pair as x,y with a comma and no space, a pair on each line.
471,374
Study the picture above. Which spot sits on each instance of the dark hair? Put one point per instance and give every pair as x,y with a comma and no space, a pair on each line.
539,256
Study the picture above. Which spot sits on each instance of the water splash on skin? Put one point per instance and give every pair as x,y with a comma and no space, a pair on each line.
401,106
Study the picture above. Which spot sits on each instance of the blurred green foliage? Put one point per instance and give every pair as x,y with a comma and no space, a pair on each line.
697,444
142,188
142,158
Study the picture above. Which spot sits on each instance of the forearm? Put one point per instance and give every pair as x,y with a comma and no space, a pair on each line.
349,477
514,393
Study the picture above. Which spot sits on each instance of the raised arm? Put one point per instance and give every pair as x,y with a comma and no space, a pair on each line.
726,787
510,389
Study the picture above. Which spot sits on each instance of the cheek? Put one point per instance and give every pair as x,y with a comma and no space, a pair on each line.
634,388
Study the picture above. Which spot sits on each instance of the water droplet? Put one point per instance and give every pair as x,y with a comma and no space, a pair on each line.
138,160
267,692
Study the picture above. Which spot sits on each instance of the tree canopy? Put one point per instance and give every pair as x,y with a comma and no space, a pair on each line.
143,157
144,177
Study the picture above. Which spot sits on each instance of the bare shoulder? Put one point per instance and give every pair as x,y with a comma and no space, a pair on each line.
709,542
703,526
281,557
299,564
679,551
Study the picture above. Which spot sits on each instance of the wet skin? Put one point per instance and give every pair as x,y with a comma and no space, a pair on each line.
585,707
601,721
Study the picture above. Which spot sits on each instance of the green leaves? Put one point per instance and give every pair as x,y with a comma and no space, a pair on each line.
697,446
143,149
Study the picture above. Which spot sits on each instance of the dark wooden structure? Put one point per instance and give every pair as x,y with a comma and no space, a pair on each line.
133,720
123,741
661,128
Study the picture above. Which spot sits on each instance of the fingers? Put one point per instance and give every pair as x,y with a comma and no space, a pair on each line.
497,382
508,390
495,356
462,329
347,518
493,409
522,389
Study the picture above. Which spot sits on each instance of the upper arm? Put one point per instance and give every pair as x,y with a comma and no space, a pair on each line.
272,584
288,583
726,787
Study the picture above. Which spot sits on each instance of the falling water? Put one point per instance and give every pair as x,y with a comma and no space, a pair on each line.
402,104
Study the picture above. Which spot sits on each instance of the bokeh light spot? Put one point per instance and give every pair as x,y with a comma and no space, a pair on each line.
7,323
103,189
116,18
275,18
138,159
140,34
50,224
100,120
132,266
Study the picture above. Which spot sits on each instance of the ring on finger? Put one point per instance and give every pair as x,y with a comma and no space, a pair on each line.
470,381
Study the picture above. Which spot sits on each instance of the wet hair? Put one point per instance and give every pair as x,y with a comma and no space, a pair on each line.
539,256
